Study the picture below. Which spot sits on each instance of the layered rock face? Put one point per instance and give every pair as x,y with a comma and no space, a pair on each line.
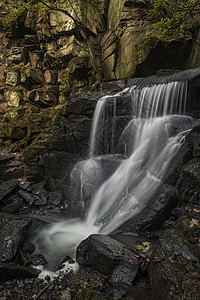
53,51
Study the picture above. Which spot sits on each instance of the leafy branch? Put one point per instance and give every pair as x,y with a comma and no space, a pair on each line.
11,20
176,18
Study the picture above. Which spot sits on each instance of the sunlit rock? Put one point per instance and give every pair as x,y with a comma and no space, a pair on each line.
13,97
12,78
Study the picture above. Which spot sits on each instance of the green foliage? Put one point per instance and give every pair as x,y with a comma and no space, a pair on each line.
65,85
11,20
20,67
176,18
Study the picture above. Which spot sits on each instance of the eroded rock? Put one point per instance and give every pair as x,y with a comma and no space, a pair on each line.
103,253
11,271
13,233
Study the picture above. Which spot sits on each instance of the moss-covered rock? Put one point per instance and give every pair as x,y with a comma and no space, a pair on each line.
32,153
15,132
114,13
31,76
12,78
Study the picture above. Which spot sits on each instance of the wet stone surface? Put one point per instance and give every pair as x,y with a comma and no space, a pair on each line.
174,267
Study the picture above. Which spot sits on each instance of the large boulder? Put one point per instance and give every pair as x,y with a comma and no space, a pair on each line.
13,233
152,217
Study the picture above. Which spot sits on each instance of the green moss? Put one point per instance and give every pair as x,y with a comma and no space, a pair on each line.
32,153
89,294
142,50
114,13
55,121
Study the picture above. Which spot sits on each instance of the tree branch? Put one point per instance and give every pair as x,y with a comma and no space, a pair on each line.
77,22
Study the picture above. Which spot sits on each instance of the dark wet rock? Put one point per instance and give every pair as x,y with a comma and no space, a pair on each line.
88,175
84,105
114,86
68,259
28,247
12,205
104,254
24,184
194,139
55,198
174,268
30,199
188,151
99,252
13,172
32,153
7,188
23,258
38,259
41,199
39,193
13,233
5,157
125,273
154,214
10,271
188,185
57,167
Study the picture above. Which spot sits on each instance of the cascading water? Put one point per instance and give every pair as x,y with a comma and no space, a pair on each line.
122,172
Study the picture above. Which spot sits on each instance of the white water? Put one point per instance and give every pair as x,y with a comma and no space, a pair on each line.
151,144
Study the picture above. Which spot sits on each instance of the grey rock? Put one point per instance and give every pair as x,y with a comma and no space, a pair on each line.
12,235
103,253
30,199
7,188
188,185
38,260
154,214
10,271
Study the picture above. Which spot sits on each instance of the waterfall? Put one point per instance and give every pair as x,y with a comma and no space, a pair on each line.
128,159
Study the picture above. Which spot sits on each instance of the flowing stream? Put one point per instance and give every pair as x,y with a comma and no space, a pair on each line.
128,159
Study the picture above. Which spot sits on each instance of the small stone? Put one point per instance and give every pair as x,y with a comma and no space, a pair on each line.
24,184
47,278
38,259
